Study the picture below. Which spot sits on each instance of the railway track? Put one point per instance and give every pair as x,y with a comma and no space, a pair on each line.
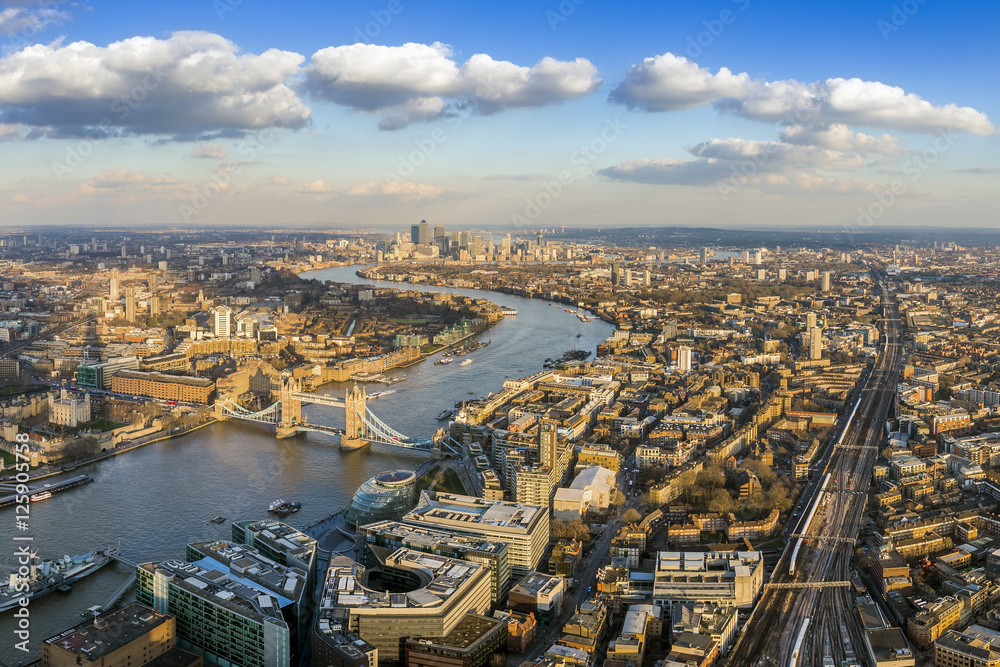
774,636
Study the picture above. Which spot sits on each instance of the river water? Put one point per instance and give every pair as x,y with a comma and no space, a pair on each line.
156,499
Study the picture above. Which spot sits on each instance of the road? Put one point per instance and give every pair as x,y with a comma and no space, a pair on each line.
19,345
834,630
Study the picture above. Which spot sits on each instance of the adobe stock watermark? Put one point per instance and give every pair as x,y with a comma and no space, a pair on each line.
409,163
583,159
751,166
248,149
381,18
714,28
22,539
223,7
915,168
122,107
899,17
562,12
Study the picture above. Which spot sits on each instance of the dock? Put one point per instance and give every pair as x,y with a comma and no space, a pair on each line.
54,487
119,593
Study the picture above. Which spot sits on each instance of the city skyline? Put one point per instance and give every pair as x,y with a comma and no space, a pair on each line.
733,114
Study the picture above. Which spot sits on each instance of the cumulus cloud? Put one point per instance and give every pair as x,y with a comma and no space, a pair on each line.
852,102
840,138
419,82
190,85
669,82
719,159
209,152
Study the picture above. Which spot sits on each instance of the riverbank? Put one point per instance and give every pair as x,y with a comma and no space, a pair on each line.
127,446
479,288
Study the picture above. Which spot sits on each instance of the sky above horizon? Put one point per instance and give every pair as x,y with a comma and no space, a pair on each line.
377,114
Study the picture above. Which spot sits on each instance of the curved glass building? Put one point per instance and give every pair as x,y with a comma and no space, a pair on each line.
386,496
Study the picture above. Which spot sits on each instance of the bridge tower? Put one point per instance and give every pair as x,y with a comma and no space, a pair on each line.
354,413
291,408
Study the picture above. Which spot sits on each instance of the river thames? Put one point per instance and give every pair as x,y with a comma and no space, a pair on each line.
156,499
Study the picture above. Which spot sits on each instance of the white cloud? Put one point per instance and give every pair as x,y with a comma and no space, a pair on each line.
316,187
776,154
126,185
209,152
30,20
189,85
852,102
668,82
419,82
404,190
839,137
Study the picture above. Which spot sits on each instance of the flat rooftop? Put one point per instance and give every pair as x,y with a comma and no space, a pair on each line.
448,508
109,632
446,577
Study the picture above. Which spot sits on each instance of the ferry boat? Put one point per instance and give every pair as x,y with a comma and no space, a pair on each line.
441,362
447,414
46,576
41,495
375,395
276,505
466,362
396,379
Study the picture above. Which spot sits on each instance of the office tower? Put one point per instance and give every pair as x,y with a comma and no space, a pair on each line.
463,240
222,323
548,438
505,244
816,343
115,284
231,603
130,304
704,255
420,233
438,233
524,527
123,253
782,275
826,282
810,321
684,359
616,273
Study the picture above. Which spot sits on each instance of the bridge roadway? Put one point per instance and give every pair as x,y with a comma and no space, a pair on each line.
834,627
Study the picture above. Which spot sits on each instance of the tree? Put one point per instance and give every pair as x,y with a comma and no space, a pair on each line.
722,502
617,497
712,478
630,516
685,482
777,498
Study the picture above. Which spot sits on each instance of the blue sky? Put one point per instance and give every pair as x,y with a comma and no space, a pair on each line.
534,114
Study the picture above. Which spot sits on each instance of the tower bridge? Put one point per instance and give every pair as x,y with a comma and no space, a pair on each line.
361,425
